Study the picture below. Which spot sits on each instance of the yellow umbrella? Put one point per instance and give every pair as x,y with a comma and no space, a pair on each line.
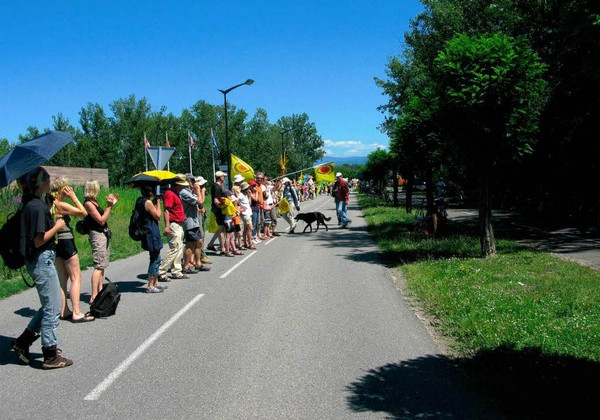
152,178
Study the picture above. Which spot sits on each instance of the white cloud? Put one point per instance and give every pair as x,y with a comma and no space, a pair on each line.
345,148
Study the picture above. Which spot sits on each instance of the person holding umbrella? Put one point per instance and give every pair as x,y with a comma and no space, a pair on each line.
38,230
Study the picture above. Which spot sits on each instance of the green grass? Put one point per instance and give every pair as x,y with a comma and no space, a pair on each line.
520,299
121,245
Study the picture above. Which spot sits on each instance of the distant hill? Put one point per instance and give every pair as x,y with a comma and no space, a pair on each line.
351,160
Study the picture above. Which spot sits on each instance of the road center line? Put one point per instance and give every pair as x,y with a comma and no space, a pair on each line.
107,382
228,272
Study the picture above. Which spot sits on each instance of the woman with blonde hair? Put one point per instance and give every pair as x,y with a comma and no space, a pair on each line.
67,258
99,233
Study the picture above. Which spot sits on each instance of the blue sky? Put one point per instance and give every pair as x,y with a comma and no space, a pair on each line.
318,57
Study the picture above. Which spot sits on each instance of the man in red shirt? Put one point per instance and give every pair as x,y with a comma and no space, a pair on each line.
174,217
343,200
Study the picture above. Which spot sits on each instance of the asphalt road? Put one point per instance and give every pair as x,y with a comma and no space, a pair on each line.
308,326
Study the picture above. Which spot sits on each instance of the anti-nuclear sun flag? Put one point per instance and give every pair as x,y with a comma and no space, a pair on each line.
238,166
325,173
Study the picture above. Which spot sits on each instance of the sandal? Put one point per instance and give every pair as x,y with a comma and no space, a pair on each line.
85,318
202,268
252,247
238,253
227,254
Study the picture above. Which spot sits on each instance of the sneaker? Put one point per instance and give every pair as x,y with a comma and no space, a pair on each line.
161,287
206,260
22,352
153,290
57,362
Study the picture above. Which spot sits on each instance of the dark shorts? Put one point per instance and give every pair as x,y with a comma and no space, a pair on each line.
65,248
219,217
228,223
193,235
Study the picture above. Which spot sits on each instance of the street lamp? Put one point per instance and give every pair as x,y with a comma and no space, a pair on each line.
225,92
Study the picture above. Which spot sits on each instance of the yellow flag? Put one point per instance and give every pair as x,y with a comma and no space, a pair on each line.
238,166
325,173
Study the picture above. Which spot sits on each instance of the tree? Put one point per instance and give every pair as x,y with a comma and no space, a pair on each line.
492,92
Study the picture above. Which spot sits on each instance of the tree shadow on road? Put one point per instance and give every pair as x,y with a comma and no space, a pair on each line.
517,384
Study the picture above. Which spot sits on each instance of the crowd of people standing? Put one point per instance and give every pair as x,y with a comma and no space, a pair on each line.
241,217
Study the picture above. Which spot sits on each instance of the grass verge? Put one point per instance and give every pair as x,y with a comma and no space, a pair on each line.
524,327
520,299
121,245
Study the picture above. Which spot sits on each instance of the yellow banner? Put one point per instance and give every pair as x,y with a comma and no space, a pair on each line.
325,173
238,166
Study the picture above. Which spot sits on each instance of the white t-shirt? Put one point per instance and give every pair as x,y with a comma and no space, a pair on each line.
245,203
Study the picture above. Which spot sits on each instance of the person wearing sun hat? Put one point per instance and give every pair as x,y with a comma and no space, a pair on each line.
289,193
191,197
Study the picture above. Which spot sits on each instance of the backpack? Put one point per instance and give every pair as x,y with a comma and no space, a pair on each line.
10,235
136,226
106,301
82,227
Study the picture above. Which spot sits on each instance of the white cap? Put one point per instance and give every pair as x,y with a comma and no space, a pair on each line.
285,179
339,174
238,178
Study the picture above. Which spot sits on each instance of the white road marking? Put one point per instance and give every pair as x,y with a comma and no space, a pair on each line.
228,272
108,381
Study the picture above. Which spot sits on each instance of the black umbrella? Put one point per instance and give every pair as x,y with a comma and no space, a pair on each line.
30,154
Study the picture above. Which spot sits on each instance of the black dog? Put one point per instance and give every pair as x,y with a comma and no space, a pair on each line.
309,218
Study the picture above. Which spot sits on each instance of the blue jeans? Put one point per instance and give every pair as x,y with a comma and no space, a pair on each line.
154,263
45,321
255,219
343,212
337,212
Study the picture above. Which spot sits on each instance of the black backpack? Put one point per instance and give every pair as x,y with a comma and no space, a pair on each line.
106,301
10,235
136,225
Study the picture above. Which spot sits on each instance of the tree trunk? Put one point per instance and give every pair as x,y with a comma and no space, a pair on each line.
395,188
486,229
408,186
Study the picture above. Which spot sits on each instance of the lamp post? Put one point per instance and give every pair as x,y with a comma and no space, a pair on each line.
225,92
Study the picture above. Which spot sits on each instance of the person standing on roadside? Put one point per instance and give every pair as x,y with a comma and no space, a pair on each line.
190,198
149,208
202,219
174,217
289,193
97,222
67,256
38,230
343,200
216,192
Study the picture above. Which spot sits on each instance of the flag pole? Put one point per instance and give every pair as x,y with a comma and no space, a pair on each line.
190,150
305,169
212,147
146,150
168,145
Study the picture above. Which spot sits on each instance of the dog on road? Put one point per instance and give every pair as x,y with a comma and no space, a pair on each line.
310,218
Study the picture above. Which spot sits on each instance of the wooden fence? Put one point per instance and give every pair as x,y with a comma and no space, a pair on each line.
78,176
